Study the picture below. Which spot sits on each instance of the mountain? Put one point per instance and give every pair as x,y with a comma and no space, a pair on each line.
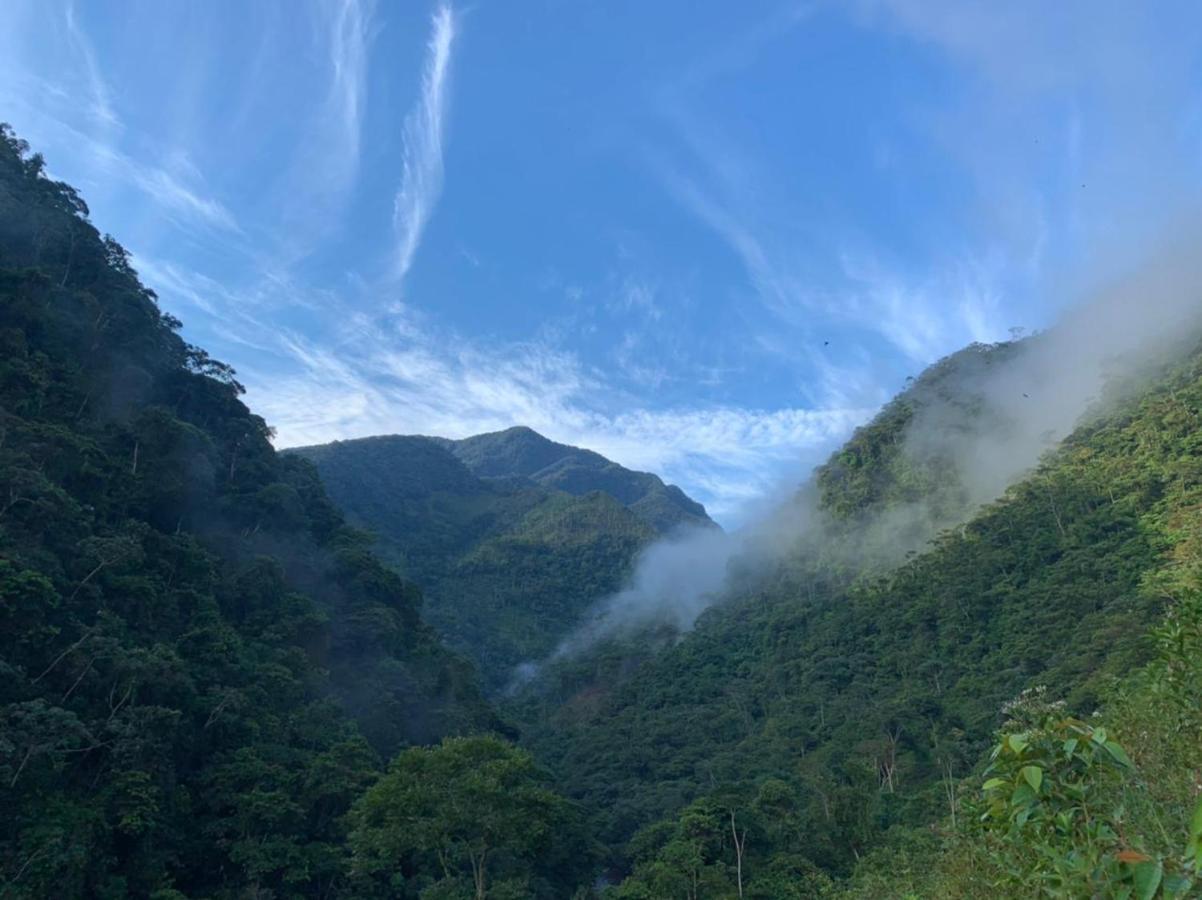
519,451
511,536
834,704
202,664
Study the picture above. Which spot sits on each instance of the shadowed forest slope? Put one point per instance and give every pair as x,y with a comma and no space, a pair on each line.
200,661
511,536
834,701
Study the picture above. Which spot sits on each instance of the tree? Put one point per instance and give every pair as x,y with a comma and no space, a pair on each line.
685,859
475,805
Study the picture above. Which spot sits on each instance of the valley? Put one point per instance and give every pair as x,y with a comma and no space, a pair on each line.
962,659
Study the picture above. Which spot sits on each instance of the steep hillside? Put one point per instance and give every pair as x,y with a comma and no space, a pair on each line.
521,451
511,536
193,645
833,704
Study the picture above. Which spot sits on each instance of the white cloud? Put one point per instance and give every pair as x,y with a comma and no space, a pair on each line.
176,198
639,296
1042,202
322,172
421,178
337,124
181,199
923,317
735,437
349,39
170,280
714,204
101,105
925,320
392,375
638,361
81,129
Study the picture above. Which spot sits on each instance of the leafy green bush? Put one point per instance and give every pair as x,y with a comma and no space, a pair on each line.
1050,780
1054,819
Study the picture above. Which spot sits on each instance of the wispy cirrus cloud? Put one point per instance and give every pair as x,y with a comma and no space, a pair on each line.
422,172
921,315
176,197
101,102
350,36
716,198
320,174
347,27
817,281
1067,152
179,283
397,374
728,455
89,135
924,318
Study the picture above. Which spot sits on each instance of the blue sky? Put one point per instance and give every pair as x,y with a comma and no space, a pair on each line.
703,238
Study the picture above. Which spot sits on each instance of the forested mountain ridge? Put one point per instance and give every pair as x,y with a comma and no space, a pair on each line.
201,663
511,536
832,707
905,454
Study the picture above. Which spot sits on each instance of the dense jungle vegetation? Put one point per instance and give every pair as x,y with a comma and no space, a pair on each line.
818,730
203,666
214,687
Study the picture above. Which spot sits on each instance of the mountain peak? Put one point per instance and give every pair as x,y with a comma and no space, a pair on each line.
522,451
515,451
